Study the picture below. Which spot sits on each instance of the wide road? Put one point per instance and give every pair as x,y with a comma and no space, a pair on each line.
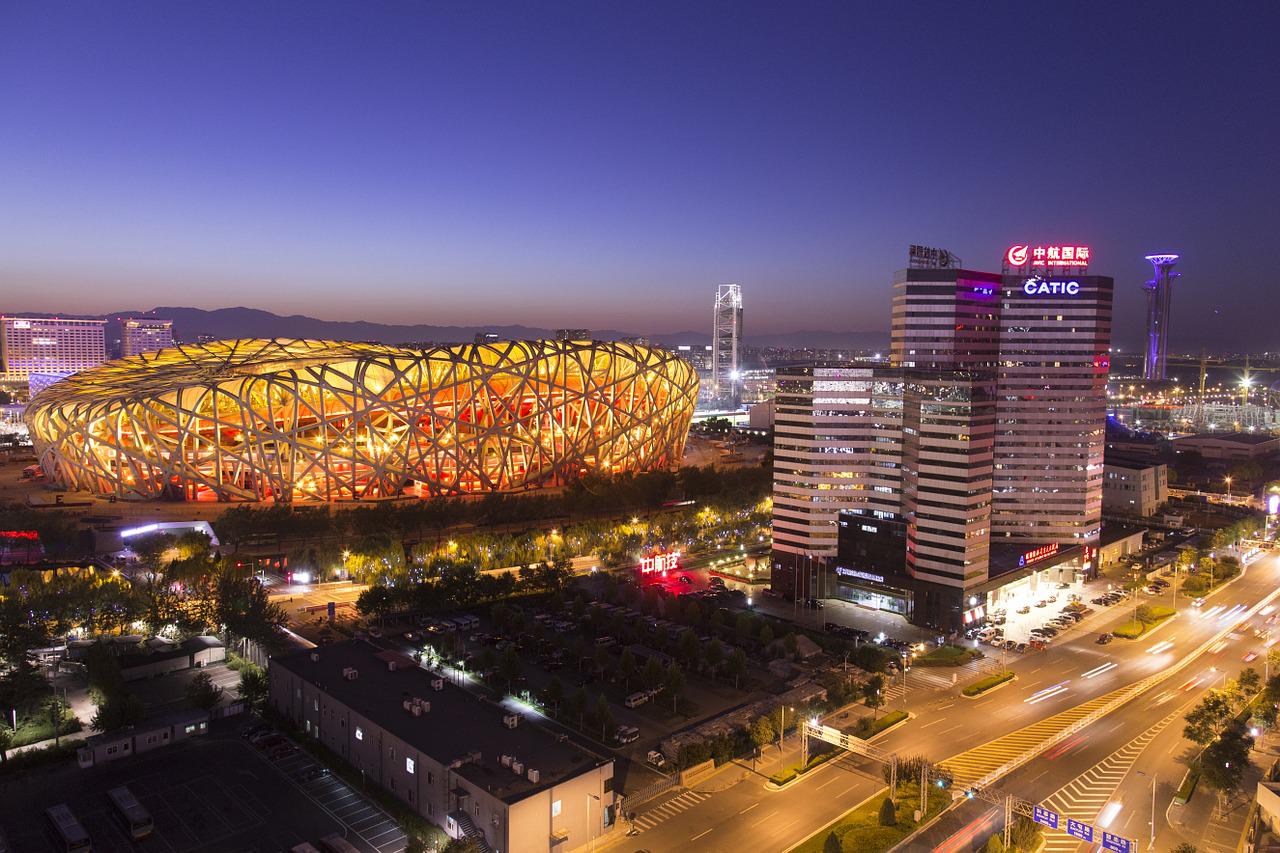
1072,671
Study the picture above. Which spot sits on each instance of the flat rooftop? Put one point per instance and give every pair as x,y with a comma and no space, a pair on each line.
459,723
1236,437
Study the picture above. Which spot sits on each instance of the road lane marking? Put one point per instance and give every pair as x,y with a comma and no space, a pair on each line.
700,834
750,807
934,723
826,783
1099,670
765,819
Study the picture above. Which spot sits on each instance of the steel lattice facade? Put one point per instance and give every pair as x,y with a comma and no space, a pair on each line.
301,420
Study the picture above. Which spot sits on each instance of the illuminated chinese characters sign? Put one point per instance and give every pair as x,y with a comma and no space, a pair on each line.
1041,287
1025,256
660,563
1035,555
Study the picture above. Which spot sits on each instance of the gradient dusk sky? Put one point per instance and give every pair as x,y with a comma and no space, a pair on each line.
606,164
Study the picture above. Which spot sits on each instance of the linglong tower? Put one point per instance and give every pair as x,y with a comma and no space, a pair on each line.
726,343
1159,297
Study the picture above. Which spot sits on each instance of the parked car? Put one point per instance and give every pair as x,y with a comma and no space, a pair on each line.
1103,639
1024,609
657,759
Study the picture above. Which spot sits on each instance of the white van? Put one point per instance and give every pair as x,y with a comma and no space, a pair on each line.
635,700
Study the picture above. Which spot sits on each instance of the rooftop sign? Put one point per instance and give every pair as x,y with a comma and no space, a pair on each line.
1025,257
1035,555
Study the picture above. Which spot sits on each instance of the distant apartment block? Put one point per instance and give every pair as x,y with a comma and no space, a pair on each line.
139,335
48,346
1134,486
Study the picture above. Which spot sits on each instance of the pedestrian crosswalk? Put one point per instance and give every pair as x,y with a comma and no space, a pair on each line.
668,809
1085,796
968,767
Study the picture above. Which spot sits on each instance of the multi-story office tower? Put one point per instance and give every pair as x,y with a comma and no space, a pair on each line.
1055,336
573,334
946,337
1159,303
726,343
837,446
48,346
139,335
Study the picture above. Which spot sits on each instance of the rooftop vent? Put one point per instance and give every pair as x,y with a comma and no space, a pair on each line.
315,657
391,666
511,720
534,775
517,767
437,684
350,673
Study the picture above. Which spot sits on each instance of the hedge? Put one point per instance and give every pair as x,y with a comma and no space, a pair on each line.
1130,631
947,656
982,685
868,728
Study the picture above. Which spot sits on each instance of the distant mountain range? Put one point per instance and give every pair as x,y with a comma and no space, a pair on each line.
191,323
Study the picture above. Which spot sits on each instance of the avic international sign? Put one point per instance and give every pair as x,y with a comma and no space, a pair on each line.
1023,256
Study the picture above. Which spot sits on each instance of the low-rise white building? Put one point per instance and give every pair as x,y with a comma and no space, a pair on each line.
1134,486
477,768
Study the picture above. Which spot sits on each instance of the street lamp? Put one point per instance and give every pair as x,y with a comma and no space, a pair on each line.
590,828
1152,777
1228,480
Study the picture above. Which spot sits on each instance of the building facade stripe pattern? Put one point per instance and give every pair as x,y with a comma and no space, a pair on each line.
304,420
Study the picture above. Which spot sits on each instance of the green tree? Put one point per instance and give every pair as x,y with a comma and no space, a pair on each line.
652,675
761,732
1249,681
737,666
578,704
604,715
766,637
116,712
995,844
554,694
688,648
509,667
888,813
202,693
832,844
254,686
1185,847
627,668
1223,762
6,738
873,693
675,684
1207,719
713,655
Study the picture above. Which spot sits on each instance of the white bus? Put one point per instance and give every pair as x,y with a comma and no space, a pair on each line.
337,844
131,814
65,831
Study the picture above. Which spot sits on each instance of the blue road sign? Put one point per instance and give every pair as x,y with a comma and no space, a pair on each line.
1044,817
1083,831
1117,843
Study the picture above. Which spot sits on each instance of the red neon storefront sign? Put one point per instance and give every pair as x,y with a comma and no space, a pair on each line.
1035,555
660,563
19,534
1026,255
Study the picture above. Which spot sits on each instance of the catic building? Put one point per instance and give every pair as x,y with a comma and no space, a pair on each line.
980,444
299,420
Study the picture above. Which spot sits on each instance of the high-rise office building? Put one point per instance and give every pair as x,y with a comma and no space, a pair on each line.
999,428
837,446
726,343
48,346
1055,339
146,334
946,337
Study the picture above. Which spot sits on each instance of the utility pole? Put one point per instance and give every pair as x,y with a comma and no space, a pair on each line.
924,789
893,777
1008,821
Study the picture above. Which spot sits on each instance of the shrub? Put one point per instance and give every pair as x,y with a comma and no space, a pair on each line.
888,813
982,685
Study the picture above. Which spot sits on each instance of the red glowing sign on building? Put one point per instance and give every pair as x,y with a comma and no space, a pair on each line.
660,563
1024,255
1035,555
1102,362
19,534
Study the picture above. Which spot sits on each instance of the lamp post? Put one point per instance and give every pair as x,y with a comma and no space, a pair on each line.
590,827
1228,481
1152,777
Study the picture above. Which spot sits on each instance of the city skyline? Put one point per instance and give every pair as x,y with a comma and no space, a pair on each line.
413,167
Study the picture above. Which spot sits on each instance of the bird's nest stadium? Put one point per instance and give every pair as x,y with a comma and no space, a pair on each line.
302,420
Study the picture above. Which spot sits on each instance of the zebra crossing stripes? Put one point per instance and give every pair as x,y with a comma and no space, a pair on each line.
1084,796
976,763
668,809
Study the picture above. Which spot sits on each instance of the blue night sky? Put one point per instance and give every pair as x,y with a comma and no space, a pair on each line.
607,164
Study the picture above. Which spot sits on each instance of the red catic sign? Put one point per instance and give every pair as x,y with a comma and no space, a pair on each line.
660,563
1023,255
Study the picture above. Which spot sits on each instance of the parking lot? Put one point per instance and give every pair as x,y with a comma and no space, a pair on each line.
213,794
